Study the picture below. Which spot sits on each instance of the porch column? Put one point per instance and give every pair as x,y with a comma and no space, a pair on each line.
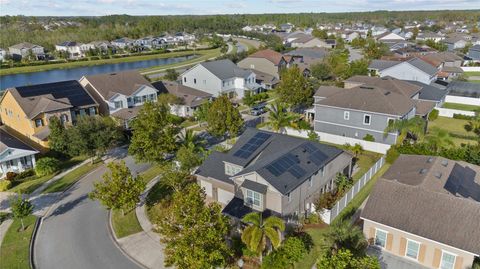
19,165
33,160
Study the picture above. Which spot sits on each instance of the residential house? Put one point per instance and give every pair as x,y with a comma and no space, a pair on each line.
412,69
349,36
287,27
389,37
413,51
271,173
266,61
26,110
424,213
305,57
15,156
429,93
424,36
74,49
474,53
24,49
448,63
149,42
364,108
190,98
101,45
3,54
123,42
266,81
221,77
121,94
310,42
456,42
184,38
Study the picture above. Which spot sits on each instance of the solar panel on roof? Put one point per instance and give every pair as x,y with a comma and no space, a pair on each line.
297,171
252,145
462,182
309,147
318,157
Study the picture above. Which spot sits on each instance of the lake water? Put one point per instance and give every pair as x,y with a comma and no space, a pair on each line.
53,75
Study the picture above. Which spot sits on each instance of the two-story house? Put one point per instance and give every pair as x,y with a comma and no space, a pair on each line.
24,49
74,49
412,69
448,63
424,212
121,94
271,173
26,110
15,156
221,77
123,42
266,61
364,108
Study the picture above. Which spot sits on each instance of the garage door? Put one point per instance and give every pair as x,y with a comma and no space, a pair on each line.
224,196
207,187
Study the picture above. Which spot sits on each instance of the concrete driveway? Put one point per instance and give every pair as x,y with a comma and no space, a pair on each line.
74,234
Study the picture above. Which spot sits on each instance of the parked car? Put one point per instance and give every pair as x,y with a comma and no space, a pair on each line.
257,111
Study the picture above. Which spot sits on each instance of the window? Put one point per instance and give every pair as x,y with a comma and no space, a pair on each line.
64,118
448,260
412,249
366,119
231,170
322,170
129,99
380,238
184,79
346,115
38,122
310,182
289,196
253,198
152,97
194,81
137,99
118,104
390,121
92,111
223,83
144,98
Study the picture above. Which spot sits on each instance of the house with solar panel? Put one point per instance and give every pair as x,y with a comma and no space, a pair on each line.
271,173
26,110
425,213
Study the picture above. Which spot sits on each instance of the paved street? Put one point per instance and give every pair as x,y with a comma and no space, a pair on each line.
75,233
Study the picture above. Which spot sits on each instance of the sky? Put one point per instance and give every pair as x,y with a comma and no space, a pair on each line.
200,7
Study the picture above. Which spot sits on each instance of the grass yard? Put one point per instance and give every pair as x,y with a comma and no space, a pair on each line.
471,73
188,123
151,172
309,260
71,178
461,106
203,56
365,160
125,225
454,127
14,252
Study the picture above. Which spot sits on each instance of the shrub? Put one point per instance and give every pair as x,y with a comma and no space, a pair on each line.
326,201
94,58
392,155
292,250
462,117
312,219
433,115
46,166
25,174
11,176
5,185
303,125
369,137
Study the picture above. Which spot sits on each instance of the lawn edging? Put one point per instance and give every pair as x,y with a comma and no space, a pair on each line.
32,242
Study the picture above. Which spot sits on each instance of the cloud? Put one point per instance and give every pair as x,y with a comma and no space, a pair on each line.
236,5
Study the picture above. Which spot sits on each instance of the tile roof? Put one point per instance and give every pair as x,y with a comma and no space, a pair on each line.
125,83
432,197
191,97
225,69
271,55
40,98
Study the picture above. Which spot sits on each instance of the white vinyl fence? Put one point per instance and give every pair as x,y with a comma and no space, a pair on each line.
329,215
447,112
471,68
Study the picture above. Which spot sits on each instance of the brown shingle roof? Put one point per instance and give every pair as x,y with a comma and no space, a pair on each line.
127,113
125,83
417,202
424,107
327,91
393,84
437,58
191,97
271,55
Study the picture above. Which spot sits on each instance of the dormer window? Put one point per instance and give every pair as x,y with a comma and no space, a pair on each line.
253,198
38,122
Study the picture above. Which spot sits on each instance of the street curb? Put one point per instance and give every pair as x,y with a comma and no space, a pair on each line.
32,242
117,244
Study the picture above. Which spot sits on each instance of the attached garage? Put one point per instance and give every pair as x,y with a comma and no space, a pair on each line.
224,196
207,186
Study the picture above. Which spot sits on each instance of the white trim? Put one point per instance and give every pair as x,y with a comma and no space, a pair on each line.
449,253
369,119
440,243
375,237
418,251
354,127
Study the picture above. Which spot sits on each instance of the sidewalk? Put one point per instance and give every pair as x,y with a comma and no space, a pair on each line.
144,247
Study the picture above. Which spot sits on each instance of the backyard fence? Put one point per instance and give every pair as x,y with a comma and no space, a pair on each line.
329,215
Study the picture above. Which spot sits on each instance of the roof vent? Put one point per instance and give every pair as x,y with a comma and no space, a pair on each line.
423,171
429,160
445,163
113,74
387,93
366,87
438,175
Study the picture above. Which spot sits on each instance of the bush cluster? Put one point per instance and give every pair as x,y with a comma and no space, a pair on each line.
46,166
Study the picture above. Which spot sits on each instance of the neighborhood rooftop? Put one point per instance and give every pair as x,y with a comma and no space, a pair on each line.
125,83
225,69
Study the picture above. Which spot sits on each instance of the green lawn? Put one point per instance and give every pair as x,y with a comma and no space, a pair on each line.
309,260
14,252
30,184
461,106
125,225
151,172
69,179
204,55
471,73
454,127
188,123
365,160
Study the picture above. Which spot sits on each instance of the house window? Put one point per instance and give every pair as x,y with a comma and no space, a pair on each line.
448,260
223,83
380,238
194,81
129,99
289,196
144,98
310,182
366,119
253,198
184,79
152,97
118,104
91,111
412,249
38,122
322,171
64,118
390,121
346,115
137,99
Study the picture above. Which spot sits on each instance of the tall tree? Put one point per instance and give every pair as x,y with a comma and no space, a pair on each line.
194,233
322,34
119,189
279,118
294,89
414,126
344,235
256,234
374,50
321,71
58,138
223,117
21,208
154,133
171,74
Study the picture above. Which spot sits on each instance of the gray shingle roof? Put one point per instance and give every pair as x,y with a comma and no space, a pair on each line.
420,202
191,97
224,69
125,83
393,84
462,88
382,64
9,141
429,92
424,66
316,53
214,167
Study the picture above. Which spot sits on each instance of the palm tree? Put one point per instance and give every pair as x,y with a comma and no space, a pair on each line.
356,149
191,141
344,235
279,118
256,234
414,126
438,138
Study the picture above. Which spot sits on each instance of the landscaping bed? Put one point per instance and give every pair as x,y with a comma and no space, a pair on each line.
15,249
